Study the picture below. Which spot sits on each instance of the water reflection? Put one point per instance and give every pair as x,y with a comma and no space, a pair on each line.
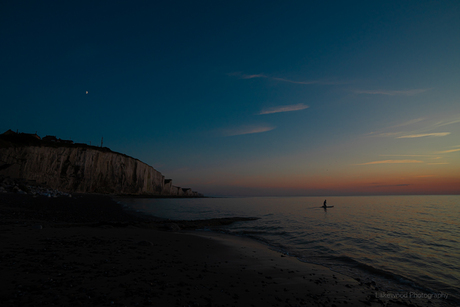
399,234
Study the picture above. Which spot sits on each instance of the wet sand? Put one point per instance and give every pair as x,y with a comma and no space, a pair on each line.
87,251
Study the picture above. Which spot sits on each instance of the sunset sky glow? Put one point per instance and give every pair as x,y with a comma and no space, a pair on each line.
246,98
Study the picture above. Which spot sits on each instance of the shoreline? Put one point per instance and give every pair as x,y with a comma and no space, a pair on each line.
87,250
153,196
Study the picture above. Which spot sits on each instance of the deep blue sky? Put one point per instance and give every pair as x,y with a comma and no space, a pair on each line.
245,97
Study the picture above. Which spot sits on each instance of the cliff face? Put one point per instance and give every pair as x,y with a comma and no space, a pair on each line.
85,170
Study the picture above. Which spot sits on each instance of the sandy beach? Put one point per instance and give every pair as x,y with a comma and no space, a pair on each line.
86,250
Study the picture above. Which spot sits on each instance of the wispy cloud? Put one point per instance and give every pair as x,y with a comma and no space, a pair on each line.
448,151
398,133
410,122
321,82
405,155
422,127
392,93
248,76
384,134
443,123
391,162
391,185
427,157
247,130
289,108
410,136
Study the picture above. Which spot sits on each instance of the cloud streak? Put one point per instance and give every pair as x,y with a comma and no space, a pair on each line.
449,151
391,162
391,185
411,122
405,155
443,123
398,133
247,130
249,76
280,109
392,93
423,135
423,131
321,82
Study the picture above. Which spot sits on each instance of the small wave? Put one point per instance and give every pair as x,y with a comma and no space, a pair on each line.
387,275
255,235
258,232
355,263
267,229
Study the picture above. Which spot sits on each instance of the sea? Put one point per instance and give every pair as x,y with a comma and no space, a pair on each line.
400,244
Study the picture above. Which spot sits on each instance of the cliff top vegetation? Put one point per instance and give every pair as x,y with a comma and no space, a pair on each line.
19,139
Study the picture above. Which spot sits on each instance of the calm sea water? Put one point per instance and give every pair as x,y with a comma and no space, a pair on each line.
401,242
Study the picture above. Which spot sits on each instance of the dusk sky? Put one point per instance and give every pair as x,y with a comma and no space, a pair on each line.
246,98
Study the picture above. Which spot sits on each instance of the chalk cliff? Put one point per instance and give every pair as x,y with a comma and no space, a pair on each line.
81,168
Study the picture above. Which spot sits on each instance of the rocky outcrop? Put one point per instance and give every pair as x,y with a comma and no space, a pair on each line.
83,169
21,186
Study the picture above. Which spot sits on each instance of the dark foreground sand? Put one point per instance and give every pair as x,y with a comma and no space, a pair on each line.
86,251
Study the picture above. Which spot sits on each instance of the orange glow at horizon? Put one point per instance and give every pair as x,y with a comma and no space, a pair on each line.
389,184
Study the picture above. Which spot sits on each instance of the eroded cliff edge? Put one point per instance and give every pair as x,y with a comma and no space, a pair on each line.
79,168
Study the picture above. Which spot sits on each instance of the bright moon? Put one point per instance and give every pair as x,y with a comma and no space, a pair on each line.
86,92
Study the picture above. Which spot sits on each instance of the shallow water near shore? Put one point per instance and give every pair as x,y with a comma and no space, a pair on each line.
403,243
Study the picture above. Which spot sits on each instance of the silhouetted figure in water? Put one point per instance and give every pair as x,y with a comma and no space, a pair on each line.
325,206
